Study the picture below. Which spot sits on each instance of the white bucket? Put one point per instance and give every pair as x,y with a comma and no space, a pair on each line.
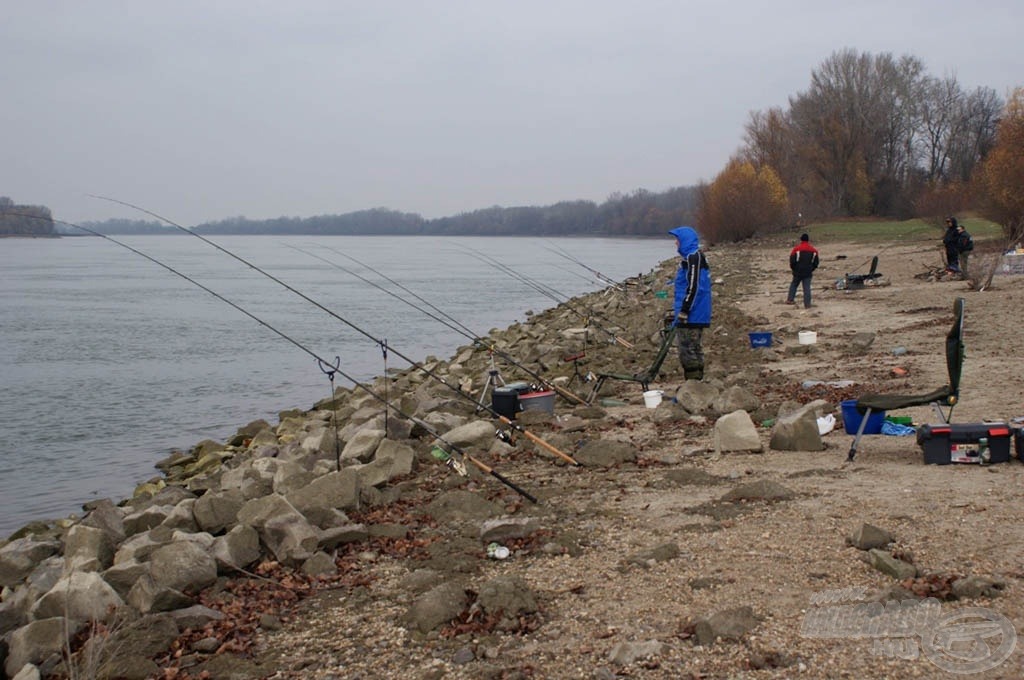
807,337
652,398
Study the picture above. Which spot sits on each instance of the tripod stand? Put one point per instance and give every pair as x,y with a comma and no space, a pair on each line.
493,380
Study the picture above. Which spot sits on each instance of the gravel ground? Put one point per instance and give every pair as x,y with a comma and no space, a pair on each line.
603,613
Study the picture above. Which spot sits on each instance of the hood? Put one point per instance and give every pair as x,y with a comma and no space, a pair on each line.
689,242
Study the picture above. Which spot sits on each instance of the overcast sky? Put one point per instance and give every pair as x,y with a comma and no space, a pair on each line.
205,110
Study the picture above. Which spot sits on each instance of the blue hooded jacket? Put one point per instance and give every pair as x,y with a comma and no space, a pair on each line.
693,281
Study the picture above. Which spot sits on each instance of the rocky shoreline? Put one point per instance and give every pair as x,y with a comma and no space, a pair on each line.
338,543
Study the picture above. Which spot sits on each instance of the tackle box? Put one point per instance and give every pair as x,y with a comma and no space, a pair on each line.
947,443
505,399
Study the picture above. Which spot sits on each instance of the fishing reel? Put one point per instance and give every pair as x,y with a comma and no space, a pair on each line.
505,436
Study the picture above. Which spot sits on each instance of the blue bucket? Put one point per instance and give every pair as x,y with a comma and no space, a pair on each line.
760,339
852,418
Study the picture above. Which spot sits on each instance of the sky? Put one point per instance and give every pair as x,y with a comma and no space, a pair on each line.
200,110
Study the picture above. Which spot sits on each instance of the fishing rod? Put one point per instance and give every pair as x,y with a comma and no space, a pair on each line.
327,367
414,364
529,435
454,324
548,291
600,277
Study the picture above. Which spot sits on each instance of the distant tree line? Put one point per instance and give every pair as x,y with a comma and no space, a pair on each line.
640,213
24,220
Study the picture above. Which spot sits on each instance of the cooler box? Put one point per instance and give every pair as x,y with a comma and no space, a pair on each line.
1018,439
962,442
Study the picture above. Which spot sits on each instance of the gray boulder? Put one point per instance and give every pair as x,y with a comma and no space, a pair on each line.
217,510
87,549
19,557
149,597
290,538
82,596
798,431
736,398
436,607
238,548
34,643
730,624
736,432
362,445
182,565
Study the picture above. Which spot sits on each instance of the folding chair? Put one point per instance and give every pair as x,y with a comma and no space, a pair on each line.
668,334
855,281
947,395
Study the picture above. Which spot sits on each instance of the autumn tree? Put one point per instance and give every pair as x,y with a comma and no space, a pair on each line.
1001,176
742,201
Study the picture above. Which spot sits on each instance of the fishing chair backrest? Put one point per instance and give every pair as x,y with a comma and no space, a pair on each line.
947,395
645,378
860,279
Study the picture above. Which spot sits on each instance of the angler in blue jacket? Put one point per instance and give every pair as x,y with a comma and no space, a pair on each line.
691,312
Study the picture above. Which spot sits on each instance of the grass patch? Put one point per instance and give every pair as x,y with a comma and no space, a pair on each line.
898,231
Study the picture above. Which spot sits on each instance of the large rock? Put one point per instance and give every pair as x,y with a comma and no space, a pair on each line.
436,607
149,597
19,557
730,624
290,538
215,511
736,432
391,460
334,491
35,643
887,564
868,536
696,396
736,398
82,596
182,565
238,548
108,518
87,549
474,434
798,431
362,445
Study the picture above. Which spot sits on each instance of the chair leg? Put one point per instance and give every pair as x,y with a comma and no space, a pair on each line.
860,432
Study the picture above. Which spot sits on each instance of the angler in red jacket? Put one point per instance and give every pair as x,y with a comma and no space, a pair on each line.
803,260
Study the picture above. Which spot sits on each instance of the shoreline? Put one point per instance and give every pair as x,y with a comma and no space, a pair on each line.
668,551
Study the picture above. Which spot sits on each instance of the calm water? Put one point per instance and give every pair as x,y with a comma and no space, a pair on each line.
108,361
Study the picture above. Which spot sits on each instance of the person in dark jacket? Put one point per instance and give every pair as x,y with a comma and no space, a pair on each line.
803,260
691,311
949,243
964,246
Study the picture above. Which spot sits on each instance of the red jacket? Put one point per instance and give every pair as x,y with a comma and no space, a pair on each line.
803,259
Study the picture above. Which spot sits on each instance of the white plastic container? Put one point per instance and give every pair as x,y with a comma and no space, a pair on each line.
652,398
807,337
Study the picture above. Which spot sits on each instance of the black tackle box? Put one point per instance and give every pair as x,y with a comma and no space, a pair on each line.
505,399
947,443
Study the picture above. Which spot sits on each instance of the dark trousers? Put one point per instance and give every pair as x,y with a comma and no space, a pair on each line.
952,258
691,354
805,281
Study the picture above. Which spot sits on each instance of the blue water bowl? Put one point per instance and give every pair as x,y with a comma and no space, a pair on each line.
760,339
